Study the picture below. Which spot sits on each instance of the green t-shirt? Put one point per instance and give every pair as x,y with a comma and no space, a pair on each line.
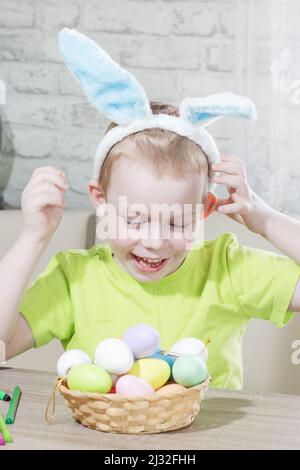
84,296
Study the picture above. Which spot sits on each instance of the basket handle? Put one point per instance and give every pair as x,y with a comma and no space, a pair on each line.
52,400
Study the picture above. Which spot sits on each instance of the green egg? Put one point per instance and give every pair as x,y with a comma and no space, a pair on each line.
89,378
189,370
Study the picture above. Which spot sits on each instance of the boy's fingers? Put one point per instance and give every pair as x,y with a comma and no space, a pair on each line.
51,178
46,186
44,172
51,169
41,177
230,180
48,199
45,190
232,168
231,158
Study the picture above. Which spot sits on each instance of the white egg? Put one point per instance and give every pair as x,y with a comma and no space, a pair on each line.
190,346
73,357
114,356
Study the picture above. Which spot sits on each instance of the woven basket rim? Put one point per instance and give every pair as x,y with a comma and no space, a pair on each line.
116,397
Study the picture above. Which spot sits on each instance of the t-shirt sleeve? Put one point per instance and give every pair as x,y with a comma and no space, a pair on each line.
46,304
263,281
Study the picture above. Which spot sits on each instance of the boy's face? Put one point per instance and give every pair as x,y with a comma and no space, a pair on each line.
154,218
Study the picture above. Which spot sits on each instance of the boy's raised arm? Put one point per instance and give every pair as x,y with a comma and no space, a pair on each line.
246,207
42,208
284,233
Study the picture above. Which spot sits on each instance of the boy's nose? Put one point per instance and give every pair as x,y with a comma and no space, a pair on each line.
153,238
154,244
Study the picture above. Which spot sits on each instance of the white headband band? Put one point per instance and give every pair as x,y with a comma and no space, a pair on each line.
117,94
162,121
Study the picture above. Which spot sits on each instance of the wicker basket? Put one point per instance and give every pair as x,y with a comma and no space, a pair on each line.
131,415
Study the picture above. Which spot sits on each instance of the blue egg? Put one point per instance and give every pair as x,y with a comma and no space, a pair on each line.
169,359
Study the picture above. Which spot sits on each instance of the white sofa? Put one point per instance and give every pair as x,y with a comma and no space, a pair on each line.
267,349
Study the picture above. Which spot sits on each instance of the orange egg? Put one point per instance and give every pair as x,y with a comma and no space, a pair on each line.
170,388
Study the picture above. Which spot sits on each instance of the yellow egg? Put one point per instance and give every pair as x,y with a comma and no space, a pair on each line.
170,388
154,371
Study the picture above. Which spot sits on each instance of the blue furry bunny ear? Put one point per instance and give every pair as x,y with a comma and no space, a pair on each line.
111,89
206,110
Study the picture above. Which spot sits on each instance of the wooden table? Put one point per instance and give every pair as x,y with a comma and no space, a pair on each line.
227,420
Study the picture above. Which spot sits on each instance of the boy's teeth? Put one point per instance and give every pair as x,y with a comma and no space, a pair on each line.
149,260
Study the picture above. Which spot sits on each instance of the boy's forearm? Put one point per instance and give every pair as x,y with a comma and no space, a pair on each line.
16,268
284,233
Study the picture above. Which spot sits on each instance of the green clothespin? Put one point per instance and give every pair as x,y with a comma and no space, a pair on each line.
13,406
4,431
4,396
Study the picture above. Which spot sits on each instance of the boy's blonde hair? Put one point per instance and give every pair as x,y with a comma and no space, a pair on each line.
166,153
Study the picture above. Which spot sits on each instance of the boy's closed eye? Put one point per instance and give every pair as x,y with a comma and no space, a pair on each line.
137,223
179,225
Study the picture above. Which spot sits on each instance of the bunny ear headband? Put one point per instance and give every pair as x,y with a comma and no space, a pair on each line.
117,94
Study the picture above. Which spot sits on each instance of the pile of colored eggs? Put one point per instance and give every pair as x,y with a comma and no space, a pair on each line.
136,365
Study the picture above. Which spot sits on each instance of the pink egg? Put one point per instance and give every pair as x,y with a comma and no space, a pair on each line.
132,386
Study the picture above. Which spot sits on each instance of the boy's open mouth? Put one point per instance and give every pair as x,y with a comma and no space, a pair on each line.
148,264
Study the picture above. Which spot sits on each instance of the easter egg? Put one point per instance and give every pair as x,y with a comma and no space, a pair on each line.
189,370
143,340
190,346
132,386
164,357
114,356
170,388
68,359
154,371
89,378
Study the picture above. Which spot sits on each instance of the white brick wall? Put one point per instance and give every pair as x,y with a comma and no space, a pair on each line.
175,48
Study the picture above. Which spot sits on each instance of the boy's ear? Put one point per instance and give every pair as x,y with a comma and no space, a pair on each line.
96,193
210,204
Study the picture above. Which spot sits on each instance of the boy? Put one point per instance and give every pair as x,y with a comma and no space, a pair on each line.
213,290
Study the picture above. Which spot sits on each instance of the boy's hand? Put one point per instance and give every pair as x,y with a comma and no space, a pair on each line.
243,204
43,203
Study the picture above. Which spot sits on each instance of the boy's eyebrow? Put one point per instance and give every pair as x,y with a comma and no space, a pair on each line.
132,216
